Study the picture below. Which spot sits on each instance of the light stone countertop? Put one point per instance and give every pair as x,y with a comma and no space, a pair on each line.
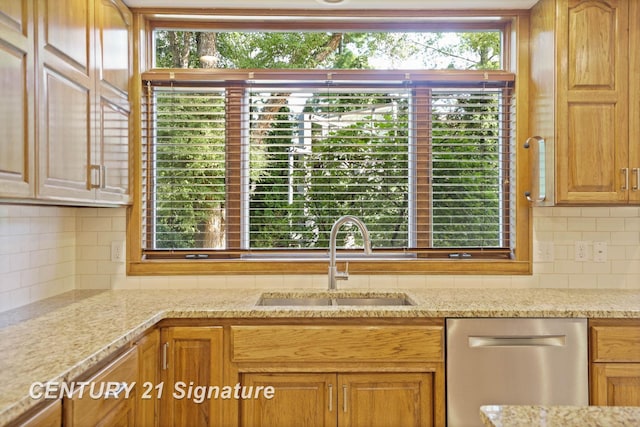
560,416
60,338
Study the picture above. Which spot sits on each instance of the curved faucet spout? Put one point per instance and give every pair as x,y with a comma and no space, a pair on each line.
334,274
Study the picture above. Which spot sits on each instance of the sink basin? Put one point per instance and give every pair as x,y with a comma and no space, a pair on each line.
268,300
396,299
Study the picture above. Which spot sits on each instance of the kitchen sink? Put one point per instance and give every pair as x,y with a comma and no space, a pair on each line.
395,299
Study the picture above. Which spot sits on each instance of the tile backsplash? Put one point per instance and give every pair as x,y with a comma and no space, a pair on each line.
48,250
37,253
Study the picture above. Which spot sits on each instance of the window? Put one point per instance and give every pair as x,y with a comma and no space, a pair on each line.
243,167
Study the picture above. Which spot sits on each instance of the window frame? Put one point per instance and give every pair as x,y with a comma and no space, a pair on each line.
148,262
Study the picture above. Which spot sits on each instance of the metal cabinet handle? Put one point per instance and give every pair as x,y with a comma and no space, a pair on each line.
95,177
165,362
625,172
344,398
637,172
330,397
116,393
518,341
103,177
538,170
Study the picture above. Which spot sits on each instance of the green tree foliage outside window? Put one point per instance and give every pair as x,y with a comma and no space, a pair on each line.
366,164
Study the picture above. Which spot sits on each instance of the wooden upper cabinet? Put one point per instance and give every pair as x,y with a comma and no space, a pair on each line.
114,22
17,109
634,101
114,63
593,104
582,100
84,68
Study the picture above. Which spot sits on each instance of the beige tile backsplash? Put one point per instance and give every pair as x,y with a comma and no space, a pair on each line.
45,251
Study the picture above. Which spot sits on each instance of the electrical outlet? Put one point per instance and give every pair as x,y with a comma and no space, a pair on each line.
600,251
117,251
581,251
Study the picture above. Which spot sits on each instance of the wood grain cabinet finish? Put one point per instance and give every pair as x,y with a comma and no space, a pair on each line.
118,410
191,356
615,362
17,115
84,51
585,97
341,374
47,415
148,402
324,399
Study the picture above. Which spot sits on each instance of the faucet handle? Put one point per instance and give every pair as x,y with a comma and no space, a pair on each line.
343,275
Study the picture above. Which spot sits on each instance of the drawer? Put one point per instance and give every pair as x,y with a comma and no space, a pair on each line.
85,410
615,343
290,343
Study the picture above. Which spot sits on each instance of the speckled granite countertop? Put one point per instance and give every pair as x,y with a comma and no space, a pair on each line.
60,338
560,416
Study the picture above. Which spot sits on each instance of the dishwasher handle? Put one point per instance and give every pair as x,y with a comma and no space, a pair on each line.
518,341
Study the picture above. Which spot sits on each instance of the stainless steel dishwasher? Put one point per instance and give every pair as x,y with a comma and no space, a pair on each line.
500,361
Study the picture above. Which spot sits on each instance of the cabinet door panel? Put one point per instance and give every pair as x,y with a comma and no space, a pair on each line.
592,122
65,138
194,356
592,45
114,151
148,373
84,410
381,400
114,22
616,384
16,146
299,400
18,99
66,32
634,101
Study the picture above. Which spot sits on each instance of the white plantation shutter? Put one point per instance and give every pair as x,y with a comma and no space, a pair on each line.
262,166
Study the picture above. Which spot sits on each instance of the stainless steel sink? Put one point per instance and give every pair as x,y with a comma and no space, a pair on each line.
307,301
396,299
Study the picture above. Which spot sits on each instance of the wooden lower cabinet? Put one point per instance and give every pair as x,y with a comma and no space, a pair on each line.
615,362
47,415
148,402
301,399
344,399
192,357
341,374
385,399
116,409
615,384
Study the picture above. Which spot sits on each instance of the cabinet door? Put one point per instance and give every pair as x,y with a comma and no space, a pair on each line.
17,107
66,98
148,379
593,94
108,410
307,399
193,357
615,384
634,101
114,64
386,399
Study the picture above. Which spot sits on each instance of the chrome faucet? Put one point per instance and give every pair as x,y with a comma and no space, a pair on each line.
334,274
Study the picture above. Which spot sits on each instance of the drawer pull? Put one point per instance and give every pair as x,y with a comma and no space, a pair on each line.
165,362
330,397
116,393
637,172
344,398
